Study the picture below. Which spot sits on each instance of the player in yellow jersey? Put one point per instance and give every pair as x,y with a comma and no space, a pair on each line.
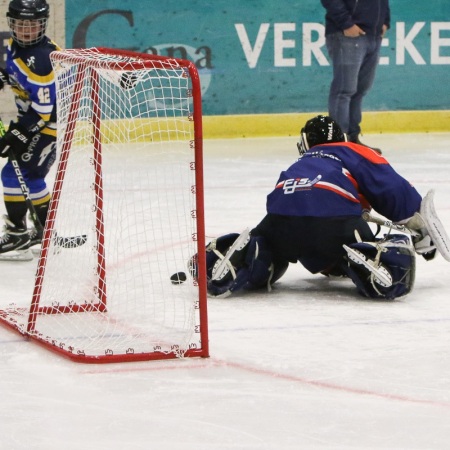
32,136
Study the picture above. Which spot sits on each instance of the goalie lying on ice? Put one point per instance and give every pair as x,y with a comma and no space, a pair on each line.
314,216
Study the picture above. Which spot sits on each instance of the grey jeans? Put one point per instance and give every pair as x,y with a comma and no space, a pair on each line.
354,61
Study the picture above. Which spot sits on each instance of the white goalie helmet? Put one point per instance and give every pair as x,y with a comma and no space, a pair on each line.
27,20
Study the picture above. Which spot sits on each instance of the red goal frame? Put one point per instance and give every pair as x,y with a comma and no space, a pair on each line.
144,61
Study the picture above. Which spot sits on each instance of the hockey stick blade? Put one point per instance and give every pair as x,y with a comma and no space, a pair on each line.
434,225
59,241
62,242
70,241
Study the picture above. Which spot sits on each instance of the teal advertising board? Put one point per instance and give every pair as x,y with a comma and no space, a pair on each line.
266,56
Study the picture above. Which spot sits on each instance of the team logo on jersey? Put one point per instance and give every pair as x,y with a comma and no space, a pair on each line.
30,61
297,184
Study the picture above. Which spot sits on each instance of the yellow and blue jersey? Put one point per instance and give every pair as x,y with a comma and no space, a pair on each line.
33,83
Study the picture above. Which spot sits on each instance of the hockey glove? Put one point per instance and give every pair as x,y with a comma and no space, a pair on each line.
4,78
17,137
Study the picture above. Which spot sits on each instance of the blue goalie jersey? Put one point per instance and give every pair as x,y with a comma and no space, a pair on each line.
342,179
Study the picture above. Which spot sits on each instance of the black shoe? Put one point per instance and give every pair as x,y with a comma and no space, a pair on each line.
355,140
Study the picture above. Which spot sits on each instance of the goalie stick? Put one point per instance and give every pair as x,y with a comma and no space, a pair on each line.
368,217
64,242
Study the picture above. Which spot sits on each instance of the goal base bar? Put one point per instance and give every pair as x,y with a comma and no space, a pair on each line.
8,319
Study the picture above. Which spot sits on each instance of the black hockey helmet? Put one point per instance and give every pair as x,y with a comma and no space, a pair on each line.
319,130
27,20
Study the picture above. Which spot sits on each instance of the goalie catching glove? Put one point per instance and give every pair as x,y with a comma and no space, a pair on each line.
423,244
429,233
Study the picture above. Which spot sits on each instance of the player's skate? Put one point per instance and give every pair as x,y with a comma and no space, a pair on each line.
15,243
35,240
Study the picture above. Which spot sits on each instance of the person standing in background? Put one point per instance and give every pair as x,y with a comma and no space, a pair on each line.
353,30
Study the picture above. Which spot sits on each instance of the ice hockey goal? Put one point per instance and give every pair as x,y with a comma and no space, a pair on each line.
126,213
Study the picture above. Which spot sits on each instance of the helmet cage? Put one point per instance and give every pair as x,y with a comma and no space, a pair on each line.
27,32
302,144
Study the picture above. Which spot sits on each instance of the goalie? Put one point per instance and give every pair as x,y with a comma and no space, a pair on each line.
314,216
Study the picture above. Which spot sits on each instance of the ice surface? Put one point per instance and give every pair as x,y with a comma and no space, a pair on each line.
310,365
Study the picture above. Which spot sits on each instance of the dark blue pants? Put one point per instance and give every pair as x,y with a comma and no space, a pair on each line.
315,242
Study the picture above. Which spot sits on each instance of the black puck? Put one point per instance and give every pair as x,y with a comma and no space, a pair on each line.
178,278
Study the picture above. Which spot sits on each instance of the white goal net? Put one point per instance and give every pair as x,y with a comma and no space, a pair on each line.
126,213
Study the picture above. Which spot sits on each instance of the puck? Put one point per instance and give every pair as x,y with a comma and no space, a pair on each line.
178,278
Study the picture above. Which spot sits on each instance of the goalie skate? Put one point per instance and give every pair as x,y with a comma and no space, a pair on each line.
381,275
434,225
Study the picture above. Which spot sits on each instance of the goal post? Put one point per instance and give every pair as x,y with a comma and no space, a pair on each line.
126,213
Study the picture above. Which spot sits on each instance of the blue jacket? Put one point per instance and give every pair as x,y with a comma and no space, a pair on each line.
370,15
342,179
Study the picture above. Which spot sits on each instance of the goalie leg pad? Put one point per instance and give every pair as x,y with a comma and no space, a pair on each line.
251,268
214,249
234,256
382,269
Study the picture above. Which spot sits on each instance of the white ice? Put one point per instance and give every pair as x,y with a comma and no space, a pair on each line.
310,365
